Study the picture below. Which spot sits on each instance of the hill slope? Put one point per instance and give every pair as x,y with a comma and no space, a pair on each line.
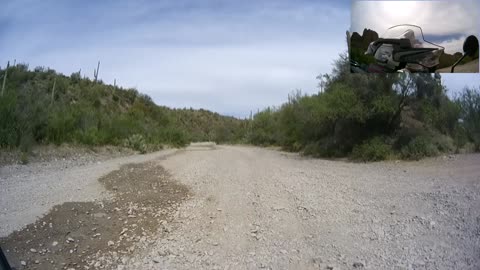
43,106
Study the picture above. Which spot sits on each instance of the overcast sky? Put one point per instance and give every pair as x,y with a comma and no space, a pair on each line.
227,56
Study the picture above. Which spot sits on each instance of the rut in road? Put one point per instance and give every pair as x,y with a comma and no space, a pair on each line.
255,208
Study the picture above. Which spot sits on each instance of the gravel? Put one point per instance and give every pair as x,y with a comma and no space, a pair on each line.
255,208
30,191
281,211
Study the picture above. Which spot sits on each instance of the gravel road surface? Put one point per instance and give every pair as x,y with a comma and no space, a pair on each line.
254,208
30,191
261,209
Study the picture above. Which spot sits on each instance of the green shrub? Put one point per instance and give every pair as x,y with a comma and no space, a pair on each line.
312,149
323,148
8,120
467,148
176,137
26,142
136,142
372,150
444,144
419,148
24,158
88,137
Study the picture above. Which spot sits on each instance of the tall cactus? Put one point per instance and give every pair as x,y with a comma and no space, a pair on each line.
5,78
53,89
95,72
349,37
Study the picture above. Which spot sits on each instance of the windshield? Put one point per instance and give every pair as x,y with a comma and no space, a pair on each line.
412,32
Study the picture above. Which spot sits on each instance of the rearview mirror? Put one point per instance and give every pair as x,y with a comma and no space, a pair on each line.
470,46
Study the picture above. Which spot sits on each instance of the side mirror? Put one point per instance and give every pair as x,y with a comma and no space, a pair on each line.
470,46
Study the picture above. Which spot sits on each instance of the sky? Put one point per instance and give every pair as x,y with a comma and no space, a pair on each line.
227,56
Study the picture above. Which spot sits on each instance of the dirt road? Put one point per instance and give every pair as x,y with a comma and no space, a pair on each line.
254,208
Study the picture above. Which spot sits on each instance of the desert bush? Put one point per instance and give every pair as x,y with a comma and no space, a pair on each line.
419,148
374,149
91,136
264,128
469,102
24,159
324,147
443,143
8,132
175,137
26,142
136,142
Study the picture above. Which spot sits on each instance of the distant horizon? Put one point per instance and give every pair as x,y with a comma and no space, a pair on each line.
454,83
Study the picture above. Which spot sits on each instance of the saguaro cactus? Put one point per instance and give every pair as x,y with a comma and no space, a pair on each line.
5,78
53,89
95,71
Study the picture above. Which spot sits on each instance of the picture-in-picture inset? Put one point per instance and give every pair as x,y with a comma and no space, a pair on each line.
414,36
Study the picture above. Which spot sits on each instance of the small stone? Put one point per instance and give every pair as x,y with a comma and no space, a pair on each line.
156,260
54,243
37,261
110,243
358,265
70,240
33,250
23,263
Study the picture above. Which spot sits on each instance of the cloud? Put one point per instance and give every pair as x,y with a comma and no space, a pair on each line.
226,56
453,45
